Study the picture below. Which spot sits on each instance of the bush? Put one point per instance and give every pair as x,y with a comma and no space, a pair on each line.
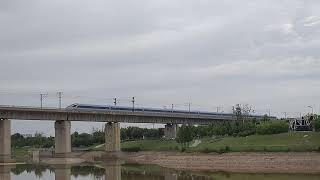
316,125
131,149
183,149
205,150
272,127
232,129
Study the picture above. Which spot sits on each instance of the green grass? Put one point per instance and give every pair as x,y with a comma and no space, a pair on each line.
151,145
293,141
20,154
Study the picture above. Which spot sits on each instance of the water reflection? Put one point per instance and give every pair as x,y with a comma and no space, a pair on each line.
63,174
111,171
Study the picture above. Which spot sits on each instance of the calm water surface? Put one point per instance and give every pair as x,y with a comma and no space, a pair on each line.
129,172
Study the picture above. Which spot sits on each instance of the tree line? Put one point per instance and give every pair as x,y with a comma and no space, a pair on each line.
85,139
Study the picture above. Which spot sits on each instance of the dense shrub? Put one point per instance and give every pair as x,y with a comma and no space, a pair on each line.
135,133
316,125
131,149
272,127
37,141
232,129
184,135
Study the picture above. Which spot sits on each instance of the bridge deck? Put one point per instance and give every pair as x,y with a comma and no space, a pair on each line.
53,114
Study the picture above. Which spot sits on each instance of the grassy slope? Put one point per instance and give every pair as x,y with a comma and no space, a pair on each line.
20,154
299,141
152,145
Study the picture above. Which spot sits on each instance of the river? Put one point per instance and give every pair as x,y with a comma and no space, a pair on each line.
129,172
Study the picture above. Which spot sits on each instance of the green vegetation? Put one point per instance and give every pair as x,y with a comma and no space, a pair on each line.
272,127
184,136
37,141
218,137
233,128
316,124
41,141
135,133
20,153
293,141
150,145
86,140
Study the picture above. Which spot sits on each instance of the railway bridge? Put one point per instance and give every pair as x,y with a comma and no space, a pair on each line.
113,118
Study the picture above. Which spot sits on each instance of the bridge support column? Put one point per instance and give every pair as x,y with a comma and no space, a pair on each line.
112,137
5,172
170,131
62,138
5,141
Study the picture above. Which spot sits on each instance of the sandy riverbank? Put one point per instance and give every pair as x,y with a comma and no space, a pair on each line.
232,162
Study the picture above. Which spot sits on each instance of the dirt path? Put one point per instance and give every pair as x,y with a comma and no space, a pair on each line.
233,162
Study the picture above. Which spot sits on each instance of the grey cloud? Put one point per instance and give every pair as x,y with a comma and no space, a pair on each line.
209,52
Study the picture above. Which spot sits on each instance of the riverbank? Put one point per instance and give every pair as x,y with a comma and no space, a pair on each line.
235,162
242,162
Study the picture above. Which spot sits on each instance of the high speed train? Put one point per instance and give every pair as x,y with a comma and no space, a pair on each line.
92,107
137,109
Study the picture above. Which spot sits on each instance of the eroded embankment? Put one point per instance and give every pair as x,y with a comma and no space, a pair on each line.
233,162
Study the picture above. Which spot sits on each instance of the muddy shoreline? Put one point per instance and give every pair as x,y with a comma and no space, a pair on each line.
244,162
240,162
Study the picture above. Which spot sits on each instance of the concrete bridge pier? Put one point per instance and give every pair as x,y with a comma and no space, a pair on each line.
62,138
5,141
170,131
112,137
5,172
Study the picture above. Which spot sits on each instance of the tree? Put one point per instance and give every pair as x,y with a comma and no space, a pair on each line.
184,135
316,124
242,111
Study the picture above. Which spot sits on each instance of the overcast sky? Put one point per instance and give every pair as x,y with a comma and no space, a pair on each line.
207,52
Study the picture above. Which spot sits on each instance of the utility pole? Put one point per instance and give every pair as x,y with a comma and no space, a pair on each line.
60,98
311,109
269,112
133,101
189,107
115,101
42,96
171,107
218,108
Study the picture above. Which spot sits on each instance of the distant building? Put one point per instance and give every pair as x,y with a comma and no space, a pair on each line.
26,135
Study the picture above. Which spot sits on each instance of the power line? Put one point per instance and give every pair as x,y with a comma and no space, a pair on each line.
42,96
133,101
115,101
60,98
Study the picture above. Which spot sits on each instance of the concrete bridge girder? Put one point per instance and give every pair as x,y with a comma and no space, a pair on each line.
23,113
